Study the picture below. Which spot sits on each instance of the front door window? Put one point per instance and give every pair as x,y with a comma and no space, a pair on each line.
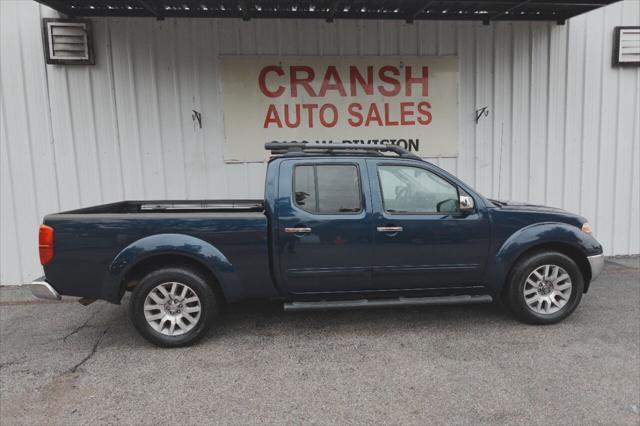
413,190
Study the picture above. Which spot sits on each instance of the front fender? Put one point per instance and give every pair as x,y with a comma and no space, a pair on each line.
173,244
535,235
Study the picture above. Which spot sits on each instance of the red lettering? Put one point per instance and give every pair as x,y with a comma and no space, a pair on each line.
395,84
323,117
272,117
310,108
361,82
287,121
373,115
331,74
262,83
424,81
355,76
299,81
423,109
405,113
387,116
355,110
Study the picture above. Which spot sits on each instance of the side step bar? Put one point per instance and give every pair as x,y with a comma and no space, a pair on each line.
385,303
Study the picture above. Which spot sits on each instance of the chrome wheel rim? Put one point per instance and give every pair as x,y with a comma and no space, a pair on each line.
172,308
547,289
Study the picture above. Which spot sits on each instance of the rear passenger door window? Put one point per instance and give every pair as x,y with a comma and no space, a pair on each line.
328,188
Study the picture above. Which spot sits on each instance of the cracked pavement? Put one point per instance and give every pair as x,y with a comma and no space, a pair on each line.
62,363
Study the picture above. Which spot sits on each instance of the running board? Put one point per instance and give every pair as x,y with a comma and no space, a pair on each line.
385,303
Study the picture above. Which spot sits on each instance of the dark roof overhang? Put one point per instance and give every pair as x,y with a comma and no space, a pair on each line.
407,10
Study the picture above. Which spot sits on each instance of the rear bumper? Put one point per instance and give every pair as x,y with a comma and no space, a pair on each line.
597,264
40,288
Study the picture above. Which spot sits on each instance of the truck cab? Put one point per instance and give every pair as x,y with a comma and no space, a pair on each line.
375,225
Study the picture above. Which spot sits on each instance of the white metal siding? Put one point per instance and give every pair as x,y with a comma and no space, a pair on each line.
563,127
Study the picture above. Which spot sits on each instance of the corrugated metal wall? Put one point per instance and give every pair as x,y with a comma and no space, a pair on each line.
563,126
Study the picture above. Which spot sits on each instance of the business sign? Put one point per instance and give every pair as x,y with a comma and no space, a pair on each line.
410,101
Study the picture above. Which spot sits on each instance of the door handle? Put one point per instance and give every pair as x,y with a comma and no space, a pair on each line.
297,230
389,229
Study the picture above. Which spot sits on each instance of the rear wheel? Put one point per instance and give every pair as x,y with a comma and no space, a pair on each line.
173,306
545,288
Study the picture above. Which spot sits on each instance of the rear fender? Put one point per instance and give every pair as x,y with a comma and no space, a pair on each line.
174,244
538,234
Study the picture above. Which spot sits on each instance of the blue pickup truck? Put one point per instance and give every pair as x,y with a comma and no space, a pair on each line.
340,226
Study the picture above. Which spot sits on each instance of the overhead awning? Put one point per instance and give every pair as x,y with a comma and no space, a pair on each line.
407,10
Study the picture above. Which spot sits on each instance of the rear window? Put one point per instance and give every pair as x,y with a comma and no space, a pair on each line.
328,188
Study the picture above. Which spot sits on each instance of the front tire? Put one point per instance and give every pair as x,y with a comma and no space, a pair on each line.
544,288
173,306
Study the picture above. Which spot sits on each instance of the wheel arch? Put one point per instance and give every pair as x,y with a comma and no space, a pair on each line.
549,236
131,278
154,251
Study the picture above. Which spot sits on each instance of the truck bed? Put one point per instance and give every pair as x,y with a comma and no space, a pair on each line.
88,240
174,206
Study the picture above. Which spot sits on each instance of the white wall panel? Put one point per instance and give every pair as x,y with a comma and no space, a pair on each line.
563,125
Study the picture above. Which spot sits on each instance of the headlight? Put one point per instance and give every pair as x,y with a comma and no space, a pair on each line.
587,229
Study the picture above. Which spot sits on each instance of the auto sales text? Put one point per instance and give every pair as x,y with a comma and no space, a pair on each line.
390,82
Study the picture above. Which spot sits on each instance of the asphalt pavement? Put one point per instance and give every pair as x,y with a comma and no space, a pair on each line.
62,363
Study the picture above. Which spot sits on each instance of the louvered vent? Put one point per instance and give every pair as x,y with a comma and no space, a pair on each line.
626,46
67,41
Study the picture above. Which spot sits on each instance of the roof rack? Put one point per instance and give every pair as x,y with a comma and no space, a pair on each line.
297,148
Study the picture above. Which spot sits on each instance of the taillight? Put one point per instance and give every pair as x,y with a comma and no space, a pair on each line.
45,243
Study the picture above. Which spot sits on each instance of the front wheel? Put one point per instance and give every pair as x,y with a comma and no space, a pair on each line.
173,306
545,288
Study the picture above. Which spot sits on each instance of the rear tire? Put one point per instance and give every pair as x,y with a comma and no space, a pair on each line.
544,288
173,306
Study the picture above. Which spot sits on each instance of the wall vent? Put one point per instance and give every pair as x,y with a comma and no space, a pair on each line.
67,41
626,46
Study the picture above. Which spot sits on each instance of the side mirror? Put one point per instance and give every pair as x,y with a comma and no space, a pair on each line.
466,204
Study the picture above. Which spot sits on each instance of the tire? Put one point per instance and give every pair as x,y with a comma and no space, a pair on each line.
538,293
173,321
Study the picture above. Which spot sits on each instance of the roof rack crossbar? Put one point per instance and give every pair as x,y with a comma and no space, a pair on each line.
298,147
